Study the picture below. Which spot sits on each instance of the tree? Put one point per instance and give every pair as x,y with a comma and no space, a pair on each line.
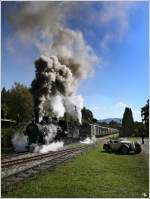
127,123
4,95
139,127
145,116
4,107
4,111
94,120
114,124
19,103
87,115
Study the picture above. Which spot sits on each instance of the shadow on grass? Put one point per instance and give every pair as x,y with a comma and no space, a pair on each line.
117,152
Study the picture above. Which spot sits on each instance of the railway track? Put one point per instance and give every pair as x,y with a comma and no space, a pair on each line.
32,156
22,167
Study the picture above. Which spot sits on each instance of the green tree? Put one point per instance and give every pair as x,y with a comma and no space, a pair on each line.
19,103
114,124
145,117
4,111
94,120
4,94
139,127
103,124
4,107
87,115
127,123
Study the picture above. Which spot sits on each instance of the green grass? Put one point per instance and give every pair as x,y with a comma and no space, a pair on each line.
135,138
95,174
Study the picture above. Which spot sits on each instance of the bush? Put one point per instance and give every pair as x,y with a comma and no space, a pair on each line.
6,136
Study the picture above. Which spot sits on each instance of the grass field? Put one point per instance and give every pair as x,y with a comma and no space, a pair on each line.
95,174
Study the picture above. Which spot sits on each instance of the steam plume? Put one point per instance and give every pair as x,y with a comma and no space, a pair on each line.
19,142
52,78
53,87
45,25
60,104
88,140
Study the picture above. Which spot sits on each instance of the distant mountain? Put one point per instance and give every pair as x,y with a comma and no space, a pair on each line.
108,120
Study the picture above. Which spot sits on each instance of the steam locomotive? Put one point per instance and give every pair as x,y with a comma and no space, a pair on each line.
52,129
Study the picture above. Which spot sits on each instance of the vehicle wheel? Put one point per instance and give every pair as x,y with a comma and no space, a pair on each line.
138,149
106,147
124,150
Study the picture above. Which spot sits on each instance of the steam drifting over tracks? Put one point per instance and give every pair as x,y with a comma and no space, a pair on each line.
20,168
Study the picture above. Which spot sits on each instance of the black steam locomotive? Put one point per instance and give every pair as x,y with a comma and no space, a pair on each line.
52,129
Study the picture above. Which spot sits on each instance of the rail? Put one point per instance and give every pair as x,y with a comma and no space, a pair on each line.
18,169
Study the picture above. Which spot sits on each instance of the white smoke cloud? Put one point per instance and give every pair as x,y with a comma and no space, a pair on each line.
47,30
60,104
50,132
43,23
45,148
19,142
88,140
55,146
74,105
56,104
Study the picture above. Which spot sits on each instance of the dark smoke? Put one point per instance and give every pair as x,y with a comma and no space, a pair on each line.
44,24
51,79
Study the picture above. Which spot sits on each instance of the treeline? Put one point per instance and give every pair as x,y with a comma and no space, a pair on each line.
16,103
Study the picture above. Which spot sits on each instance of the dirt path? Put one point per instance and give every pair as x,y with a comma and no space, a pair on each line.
145,146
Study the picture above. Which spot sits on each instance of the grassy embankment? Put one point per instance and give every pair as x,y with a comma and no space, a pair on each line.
95,174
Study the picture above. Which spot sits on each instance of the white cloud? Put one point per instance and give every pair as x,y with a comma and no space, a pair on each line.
94,108
116,12
115,16
136,113
108,37
122,105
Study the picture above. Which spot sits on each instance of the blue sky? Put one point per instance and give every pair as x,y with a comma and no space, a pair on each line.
118,35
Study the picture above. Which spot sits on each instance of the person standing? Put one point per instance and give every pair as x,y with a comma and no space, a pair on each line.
143,137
